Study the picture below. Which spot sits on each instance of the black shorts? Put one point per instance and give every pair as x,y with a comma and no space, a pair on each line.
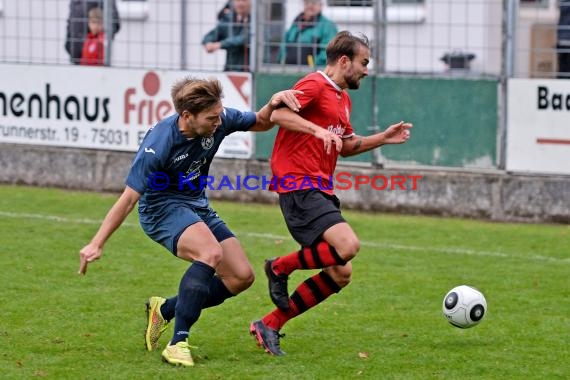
309,213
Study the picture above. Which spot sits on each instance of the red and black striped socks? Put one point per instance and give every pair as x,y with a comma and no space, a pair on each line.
319,255
310,293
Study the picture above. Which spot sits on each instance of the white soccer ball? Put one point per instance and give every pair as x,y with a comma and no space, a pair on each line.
464,306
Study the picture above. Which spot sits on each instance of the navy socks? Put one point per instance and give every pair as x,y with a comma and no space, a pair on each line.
217,295
192,295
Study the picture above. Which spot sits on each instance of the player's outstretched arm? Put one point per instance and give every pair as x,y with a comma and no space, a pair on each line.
115,217
278,99
397,133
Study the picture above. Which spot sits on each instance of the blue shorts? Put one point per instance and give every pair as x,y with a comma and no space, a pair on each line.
166,223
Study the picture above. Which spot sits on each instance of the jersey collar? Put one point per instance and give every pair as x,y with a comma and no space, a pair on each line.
330,80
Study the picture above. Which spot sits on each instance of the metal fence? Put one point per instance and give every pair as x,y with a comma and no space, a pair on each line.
479,38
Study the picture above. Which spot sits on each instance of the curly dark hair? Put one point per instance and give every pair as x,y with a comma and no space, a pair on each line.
345,43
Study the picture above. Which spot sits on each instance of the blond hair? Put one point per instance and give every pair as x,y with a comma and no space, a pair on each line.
196,95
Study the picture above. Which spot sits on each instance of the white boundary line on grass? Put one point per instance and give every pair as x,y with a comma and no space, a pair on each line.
372,244
453,251
54,218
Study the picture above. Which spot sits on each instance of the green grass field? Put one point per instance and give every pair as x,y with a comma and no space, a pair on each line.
386,324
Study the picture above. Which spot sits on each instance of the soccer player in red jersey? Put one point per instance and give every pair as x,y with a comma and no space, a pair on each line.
304,158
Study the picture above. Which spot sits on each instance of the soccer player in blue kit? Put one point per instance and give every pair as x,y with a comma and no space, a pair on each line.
174,210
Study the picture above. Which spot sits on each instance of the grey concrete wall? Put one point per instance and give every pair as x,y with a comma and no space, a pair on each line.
492,195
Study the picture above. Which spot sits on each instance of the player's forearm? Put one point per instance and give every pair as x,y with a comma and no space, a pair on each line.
360,144
114,218
112,221
291,121
263,118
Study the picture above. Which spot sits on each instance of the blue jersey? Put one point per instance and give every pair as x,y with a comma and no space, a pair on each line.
169,166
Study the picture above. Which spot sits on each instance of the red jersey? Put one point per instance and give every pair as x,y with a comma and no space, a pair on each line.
93,50
299,160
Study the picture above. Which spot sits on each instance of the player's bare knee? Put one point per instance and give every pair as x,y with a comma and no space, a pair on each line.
238,283
343,281
213,256
349,248
246,280
184,254
340,274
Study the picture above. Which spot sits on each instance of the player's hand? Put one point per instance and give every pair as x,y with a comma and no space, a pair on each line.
88,254
288,98
329,139
397,133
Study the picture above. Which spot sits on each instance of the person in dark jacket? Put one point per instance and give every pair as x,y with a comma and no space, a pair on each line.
232,34
225,10
77,27
564,40
306,40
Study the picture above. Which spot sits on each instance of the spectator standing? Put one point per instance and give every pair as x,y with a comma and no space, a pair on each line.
77,27
564,40
306,40
225,10
232,35
94,46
